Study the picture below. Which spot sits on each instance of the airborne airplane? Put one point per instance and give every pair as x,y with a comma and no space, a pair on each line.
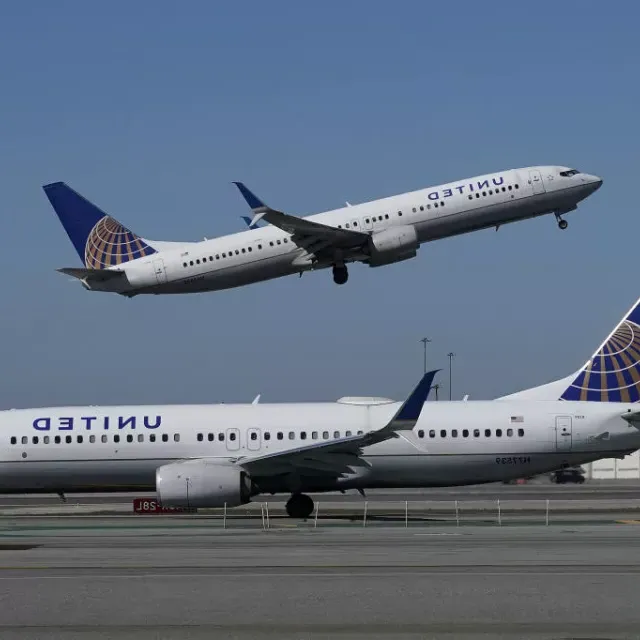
376,233
211,455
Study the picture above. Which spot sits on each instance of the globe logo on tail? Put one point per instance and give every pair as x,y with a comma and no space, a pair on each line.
110,243
613,373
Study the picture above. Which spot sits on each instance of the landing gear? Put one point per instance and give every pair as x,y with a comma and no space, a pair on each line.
340,273
563,224
299,505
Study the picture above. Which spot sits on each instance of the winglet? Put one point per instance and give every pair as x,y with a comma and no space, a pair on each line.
253,201
411,408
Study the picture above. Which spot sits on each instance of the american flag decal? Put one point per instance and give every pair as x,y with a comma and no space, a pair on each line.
517,419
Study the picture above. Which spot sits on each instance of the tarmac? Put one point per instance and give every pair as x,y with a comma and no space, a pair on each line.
257,575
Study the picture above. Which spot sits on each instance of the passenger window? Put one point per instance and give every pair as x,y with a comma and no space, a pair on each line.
57,439
477,195
314,435
152,437
116,438
254,436
25,440
35,439
400,213
443,433
432,433
367,220
420,433
267,436
510,432
221,437
211,437
176,437
421,208
291,435
249,249
46,439
386,215
303,435
509,187
197,261
191,262
184,264
435,204
487,433
232,436
280,435
325,435
244,250
521,432
465,433
454,433
14,440
259,246
336,434
79,439
68,439
516,186
484,194
476,433
442,204
470,197
414,209
200,437
211,258
360,433
140,438
498,433
129,438
165,437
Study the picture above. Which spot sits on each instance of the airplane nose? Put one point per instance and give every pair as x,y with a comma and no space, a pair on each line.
595,181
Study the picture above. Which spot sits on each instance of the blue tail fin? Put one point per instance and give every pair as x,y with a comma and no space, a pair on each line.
100,240
613,372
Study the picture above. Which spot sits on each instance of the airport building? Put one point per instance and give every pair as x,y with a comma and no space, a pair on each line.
614,469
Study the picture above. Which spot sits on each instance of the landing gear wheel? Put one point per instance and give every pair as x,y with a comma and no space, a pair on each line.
340,274
299,505
563,224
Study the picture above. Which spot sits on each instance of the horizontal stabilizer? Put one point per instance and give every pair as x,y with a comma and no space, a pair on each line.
92,275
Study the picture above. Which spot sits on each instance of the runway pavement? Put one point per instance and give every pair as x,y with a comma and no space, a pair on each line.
420,573
171,578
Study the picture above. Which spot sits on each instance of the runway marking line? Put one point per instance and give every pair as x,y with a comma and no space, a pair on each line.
628,521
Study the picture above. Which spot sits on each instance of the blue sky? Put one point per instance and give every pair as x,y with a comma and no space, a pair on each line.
152,109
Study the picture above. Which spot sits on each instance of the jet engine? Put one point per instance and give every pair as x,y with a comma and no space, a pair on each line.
201,483
393,245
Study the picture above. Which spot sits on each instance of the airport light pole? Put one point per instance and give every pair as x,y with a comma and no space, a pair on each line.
425,341
450,355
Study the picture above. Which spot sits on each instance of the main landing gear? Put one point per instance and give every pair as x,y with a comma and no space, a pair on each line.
562,223
340,273
299,505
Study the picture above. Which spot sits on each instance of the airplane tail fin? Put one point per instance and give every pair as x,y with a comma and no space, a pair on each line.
100,240
612,374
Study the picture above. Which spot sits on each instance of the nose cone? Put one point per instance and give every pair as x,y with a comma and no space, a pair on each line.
594,181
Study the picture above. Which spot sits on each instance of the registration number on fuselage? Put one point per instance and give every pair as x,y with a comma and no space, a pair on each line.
514,460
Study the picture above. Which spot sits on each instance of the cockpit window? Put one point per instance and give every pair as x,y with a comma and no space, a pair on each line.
571,172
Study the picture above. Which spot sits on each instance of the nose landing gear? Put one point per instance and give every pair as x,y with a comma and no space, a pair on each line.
562,223
340,273
299,505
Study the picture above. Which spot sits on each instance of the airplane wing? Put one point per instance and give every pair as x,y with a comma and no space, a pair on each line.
308,235
338,457
92,275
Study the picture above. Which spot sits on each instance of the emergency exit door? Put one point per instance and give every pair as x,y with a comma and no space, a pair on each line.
563,433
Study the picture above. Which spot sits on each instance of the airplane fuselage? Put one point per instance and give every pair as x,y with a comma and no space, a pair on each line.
438,212
454,443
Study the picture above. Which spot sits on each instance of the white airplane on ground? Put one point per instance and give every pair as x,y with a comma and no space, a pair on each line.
377,233
209,455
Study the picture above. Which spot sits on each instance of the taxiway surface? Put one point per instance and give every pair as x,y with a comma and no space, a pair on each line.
164,577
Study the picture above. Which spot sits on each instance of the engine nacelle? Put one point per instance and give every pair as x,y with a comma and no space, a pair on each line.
393,245
201,483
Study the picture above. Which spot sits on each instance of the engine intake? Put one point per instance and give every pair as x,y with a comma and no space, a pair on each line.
393,245
200,483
